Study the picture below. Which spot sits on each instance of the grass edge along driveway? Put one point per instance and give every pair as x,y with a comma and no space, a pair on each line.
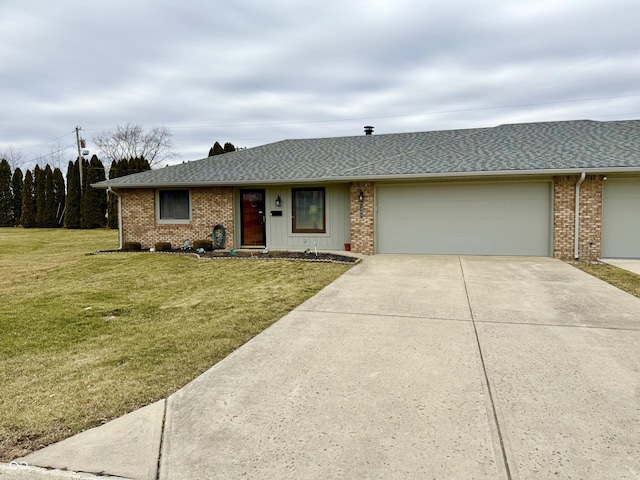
87,338
618,277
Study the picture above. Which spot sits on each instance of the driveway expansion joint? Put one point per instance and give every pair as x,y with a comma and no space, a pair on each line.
390,315
164,422
486,378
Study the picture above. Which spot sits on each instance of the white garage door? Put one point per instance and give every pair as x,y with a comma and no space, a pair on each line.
621,218
475,219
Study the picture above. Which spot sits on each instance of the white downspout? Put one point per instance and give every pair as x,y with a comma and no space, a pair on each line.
576,240
110,190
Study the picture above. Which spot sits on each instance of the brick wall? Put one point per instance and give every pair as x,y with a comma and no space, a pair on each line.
590,241
362,233
564,198
209,206
215,205
590,228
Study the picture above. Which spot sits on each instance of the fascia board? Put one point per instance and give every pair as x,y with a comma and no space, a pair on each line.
373,178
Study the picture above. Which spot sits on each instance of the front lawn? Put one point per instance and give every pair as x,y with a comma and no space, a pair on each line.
87,338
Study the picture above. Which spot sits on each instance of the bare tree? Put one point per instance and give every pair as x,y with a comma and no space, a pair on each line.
131,141
12,155
58,155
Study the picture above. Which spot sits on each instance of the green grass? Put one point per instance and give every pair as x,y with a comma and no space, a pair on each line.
87,338
618,277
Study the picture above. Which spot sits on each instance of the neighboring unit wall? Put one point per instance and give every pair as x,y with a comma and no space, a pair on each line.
362,233
590,227
209,206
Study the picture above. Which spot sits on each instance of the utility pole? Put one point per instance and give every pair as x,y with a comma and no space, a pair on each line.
80,159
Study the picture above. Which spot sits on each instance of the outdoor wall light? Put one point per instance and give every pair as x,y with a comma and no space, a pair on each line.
278,201
361,197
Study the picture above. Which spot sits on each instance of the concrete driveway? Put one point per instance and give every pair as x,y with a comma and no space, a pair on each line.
440,367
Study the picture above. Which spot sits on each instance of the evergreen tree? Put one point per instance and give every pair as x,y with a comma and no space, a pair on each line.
112,200
59,197
100,176
137,165
125,167
6,199
72,215
134,166
94,201
49,214
28,218
41,200
216,150
16,189
121,168
228,147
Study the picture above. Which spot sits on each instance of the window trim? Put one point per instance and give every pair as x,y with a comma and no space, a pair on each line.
172,221
294,229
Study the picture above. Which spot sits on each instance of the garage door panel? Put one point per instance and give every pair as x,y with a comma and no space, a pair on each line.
481,219
621,218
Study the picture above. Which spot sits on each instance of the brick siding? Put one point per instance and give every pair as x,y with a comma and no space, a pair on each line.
362,232
590,228
209,206
590,241
215,205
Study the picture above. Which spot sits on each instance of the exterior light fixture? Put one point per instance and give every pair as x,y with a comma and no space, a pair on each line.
361,197
278,201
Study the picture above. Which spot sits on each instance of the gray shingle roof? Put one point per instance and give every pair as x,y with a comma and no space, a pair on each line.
533,148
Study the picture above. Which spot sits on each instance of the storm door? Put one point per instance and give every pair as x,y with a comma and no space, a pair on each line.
252,203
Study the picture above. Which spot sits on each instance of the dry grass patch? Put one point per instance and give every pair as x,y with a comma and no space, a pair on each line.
618,277
85,339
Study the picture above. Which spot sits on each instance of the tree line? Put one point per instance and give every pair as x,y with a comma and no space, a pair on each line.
41,198
218,149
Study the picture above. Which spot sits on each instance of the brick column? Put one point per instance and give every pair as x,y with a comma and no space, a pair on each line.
590,242
362,233
590,228
564,202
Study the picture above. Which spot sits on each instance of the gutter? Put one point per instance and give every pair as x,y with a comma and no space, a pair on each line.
110,190
371,178
576,230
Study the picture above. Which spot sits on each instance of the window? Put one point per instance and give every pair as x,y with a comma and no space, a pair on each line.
174,206
308,210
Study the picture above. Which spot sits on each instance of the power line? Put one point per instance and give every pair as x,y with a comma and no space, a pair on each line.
46,143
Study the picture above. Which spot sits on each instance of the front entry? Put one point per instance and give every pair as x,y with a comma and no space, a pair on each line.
253,218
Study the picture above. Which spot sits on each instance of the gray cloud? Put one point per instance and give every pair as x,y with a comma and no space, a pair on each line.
255,72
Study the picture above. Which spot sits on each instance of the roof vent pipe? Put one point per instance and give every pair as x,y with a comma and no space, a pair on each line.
368,130
576,230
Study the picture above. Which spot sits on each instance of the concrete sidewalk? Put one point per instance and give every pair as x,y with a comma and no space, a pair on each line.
629,264
404,367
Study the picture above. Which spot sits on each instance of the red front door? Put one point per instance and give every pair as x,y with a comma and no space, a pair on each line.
253,218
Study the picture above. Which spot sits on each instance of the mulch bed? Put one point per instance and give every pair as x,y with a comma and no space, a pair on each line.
308,256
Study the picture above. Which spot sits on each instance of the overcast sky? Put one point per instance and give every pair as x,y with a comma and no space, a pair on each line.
252,72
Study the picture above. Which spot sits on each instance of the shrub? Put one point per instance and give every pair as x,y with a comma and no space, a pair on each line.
162,246
132,246
206,244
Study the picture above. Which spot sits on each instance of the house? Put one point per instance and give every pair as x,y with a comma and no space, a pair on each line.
560,189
